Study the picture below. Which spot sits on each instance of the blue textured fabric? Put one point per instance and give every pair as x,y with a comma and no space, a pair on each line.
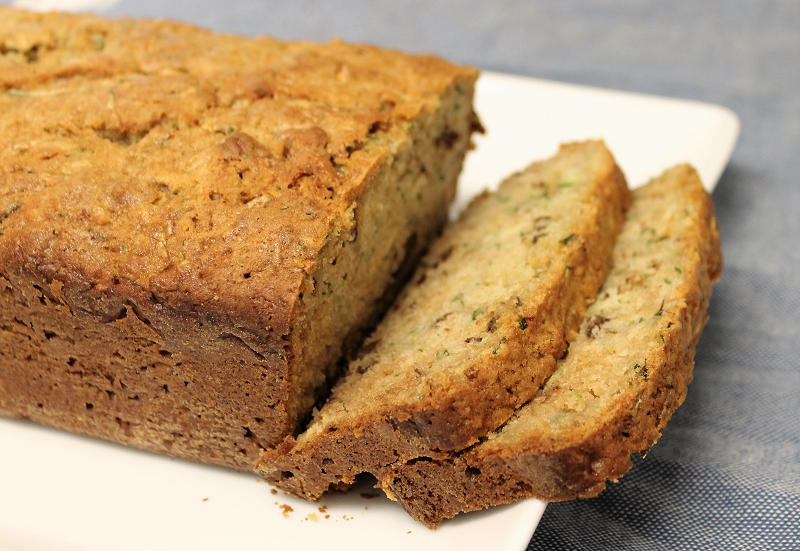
666,505
726,472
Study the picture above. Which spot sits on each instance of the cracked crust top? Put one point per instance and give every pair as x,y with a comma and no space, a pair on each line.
146,152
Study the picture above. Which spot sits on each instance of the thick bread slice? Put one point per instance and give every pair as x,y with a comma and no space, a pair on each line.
624,376
196,227
478,330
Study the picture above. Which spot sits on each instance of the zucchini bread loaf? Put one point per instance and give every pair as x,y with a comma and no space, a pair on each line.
194,227
476,332
624,376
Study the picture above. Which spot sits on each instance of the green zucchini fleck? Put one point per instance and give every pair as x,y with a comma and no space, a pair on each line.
499,345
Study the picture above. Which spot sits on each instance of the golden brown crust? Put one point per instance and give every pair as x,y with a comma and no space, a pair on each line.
201,181
468,343
307,134
564,445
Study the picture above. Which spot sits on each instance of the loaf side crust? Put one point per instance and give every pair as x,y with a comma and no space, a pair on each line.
624,377
477,331
175,205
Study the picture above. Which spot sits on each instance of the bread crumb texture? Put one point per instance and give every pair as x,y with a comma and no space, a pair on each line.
476,332
625,375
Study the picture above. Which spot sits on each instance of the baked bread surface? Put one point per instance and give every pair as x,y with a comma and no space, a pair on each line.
476,332
194,226
624,376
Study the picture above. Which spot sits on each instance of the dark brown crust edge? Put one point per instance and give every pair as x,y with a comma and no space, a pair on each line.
120,366
431,490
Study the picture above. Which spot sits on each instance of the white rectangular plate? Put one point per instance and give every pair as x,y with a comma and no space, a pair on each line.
62,492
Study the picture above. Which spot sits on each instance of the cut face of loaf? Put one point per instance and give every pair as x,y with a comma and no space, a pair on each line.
624,376
476,332
194,227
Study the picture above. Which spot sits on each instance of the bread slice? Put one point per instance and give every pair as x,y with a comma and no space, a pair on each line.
194,227
623,378
478,329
